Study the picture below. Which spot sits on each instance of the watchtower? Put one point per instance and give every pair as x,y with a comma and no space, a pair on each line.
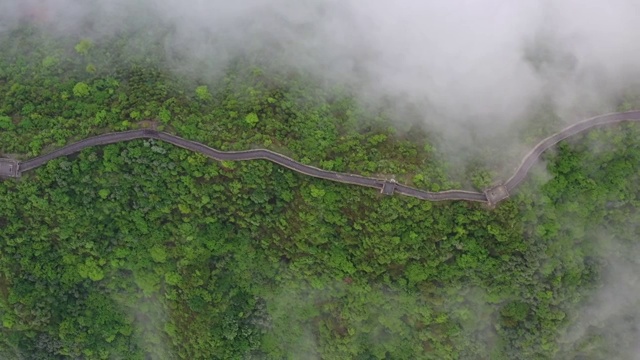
496,194
389,187
9,168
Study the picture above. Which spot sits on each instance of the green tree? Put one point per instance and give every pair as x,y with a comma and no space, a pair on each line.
81,90
84,46
202,92
251,119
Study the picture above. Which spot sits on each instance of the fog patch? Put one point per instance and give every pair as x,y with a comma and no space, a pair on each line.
608,324
148,318
467,69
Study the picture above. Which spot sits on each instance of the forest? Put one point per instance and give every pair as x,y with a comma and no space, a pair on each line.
142,250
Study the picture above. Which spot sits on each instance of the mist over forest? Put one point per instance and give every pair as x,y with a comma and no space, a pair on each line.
459,65
143,250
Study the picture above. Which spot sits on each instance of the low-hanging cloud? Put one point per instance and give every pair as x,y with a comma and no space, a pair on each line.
608,323
465,65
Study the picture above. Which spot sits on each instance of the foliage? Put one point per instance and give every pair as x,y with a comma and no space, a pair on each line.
81,89
143,250
84,46
202,92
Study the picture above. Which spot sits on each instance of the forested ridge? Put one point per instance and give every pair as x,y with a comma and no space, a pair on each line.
143,250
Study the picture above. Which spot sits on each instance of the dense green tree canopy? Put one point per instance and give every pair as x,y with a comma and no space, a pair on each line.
143,250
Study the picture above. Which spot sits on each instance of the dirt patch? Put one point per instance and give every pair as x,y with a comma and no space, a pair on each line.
148,124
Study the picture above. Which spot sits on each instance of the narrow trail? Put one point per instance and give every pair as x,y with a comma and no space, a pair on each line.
13,168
